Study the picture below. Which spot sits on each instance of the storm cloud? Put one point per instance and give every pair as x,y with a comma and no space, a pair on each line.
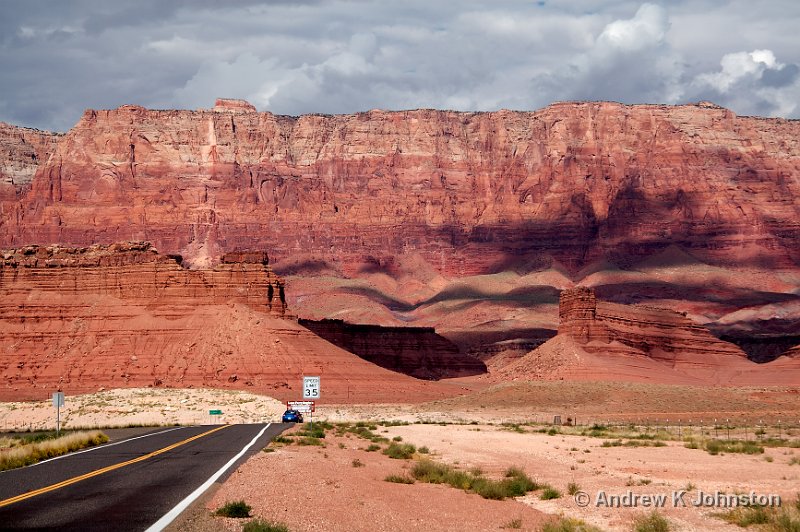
341,56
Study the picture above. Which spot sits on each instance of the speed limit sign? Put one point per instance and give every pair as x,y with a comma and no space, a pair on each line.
310,387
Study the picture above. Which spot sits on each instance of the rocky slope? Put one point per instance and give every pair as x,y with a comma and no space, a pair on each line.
124,316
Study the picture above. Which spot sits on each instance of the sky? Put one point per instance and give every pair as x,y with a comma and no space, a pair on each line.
58,58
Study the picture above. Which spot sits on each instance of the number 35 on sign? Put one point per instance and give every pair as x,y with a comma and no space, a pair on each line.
310,387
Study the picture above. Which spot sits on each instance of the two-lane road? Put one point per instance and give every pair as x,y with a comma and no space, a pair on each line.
134,484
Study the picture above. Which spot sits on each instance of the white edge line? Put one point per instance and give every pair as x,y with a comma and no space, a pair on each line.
97,447
181,506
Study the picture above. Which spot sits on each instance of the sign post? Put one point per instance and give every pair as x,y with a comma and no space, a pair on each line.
215,413
311,390
58,402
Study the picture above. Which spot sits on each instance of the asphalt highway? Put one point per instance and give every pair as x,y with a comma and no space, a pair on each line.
126,485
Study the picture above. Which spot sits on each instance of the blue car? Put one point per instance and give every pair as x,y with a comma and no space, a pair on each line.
292,416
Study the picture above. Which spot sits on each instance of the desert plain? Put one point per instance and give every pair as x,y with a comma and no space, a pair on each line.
340,483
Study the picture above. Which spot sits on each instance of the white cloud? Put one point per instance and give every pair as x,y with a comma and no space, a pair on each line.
740,65
647,28
751,83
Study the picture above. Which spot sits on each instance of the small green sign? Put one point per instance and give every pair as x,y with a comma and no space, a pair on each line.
215,412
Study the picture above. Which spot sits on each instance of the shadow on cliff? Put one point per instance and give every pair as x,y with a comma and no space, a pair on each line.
529,295
628,293
415,351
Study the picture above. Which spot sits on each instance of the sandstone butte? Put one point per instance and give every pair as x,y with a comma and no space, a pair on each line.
123,316
598,340
469,222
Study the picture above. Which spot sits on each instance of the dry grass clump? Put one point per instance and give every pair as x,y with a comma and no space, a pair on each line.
768,519
31,453
514,484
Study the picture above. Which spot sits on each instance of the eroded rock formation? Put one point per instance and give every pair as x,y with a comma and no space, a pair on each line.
125,316
662,335
136,271
415,351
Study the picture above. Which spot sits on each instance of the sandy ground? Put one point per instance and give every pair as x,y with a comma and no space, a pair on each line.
142,406
313,488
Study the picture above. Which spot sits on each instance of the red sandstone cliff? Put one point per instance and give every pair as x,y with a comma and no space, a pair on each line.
126,316
470,192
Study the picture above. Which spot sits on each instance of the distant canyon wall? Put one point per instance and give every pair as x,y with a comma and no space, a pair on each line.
22,151
470,192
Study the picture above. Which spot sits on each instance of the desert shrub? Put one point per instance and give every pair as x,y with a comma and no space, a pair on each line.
393,423
357,463
373,447
518,483
573,488
745,516
652,522
397,438
399,479
260,525
283,439
423,450
317,432
514,524
784,522
514,484
400,451
715,447
568,524
237,509
549,492
430,472
309,440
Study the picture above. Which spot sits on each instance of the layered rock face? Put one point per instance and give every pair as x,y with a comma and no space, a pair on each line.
665,336
605,341
22,151
125,316
415,351
136,272
468,192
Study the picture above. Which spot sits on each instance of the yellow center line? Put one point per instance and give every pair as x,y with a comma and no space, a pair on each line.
97,472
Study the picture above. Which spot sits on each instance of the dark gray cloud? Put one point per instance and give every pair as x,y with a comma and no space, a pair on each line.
337,56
